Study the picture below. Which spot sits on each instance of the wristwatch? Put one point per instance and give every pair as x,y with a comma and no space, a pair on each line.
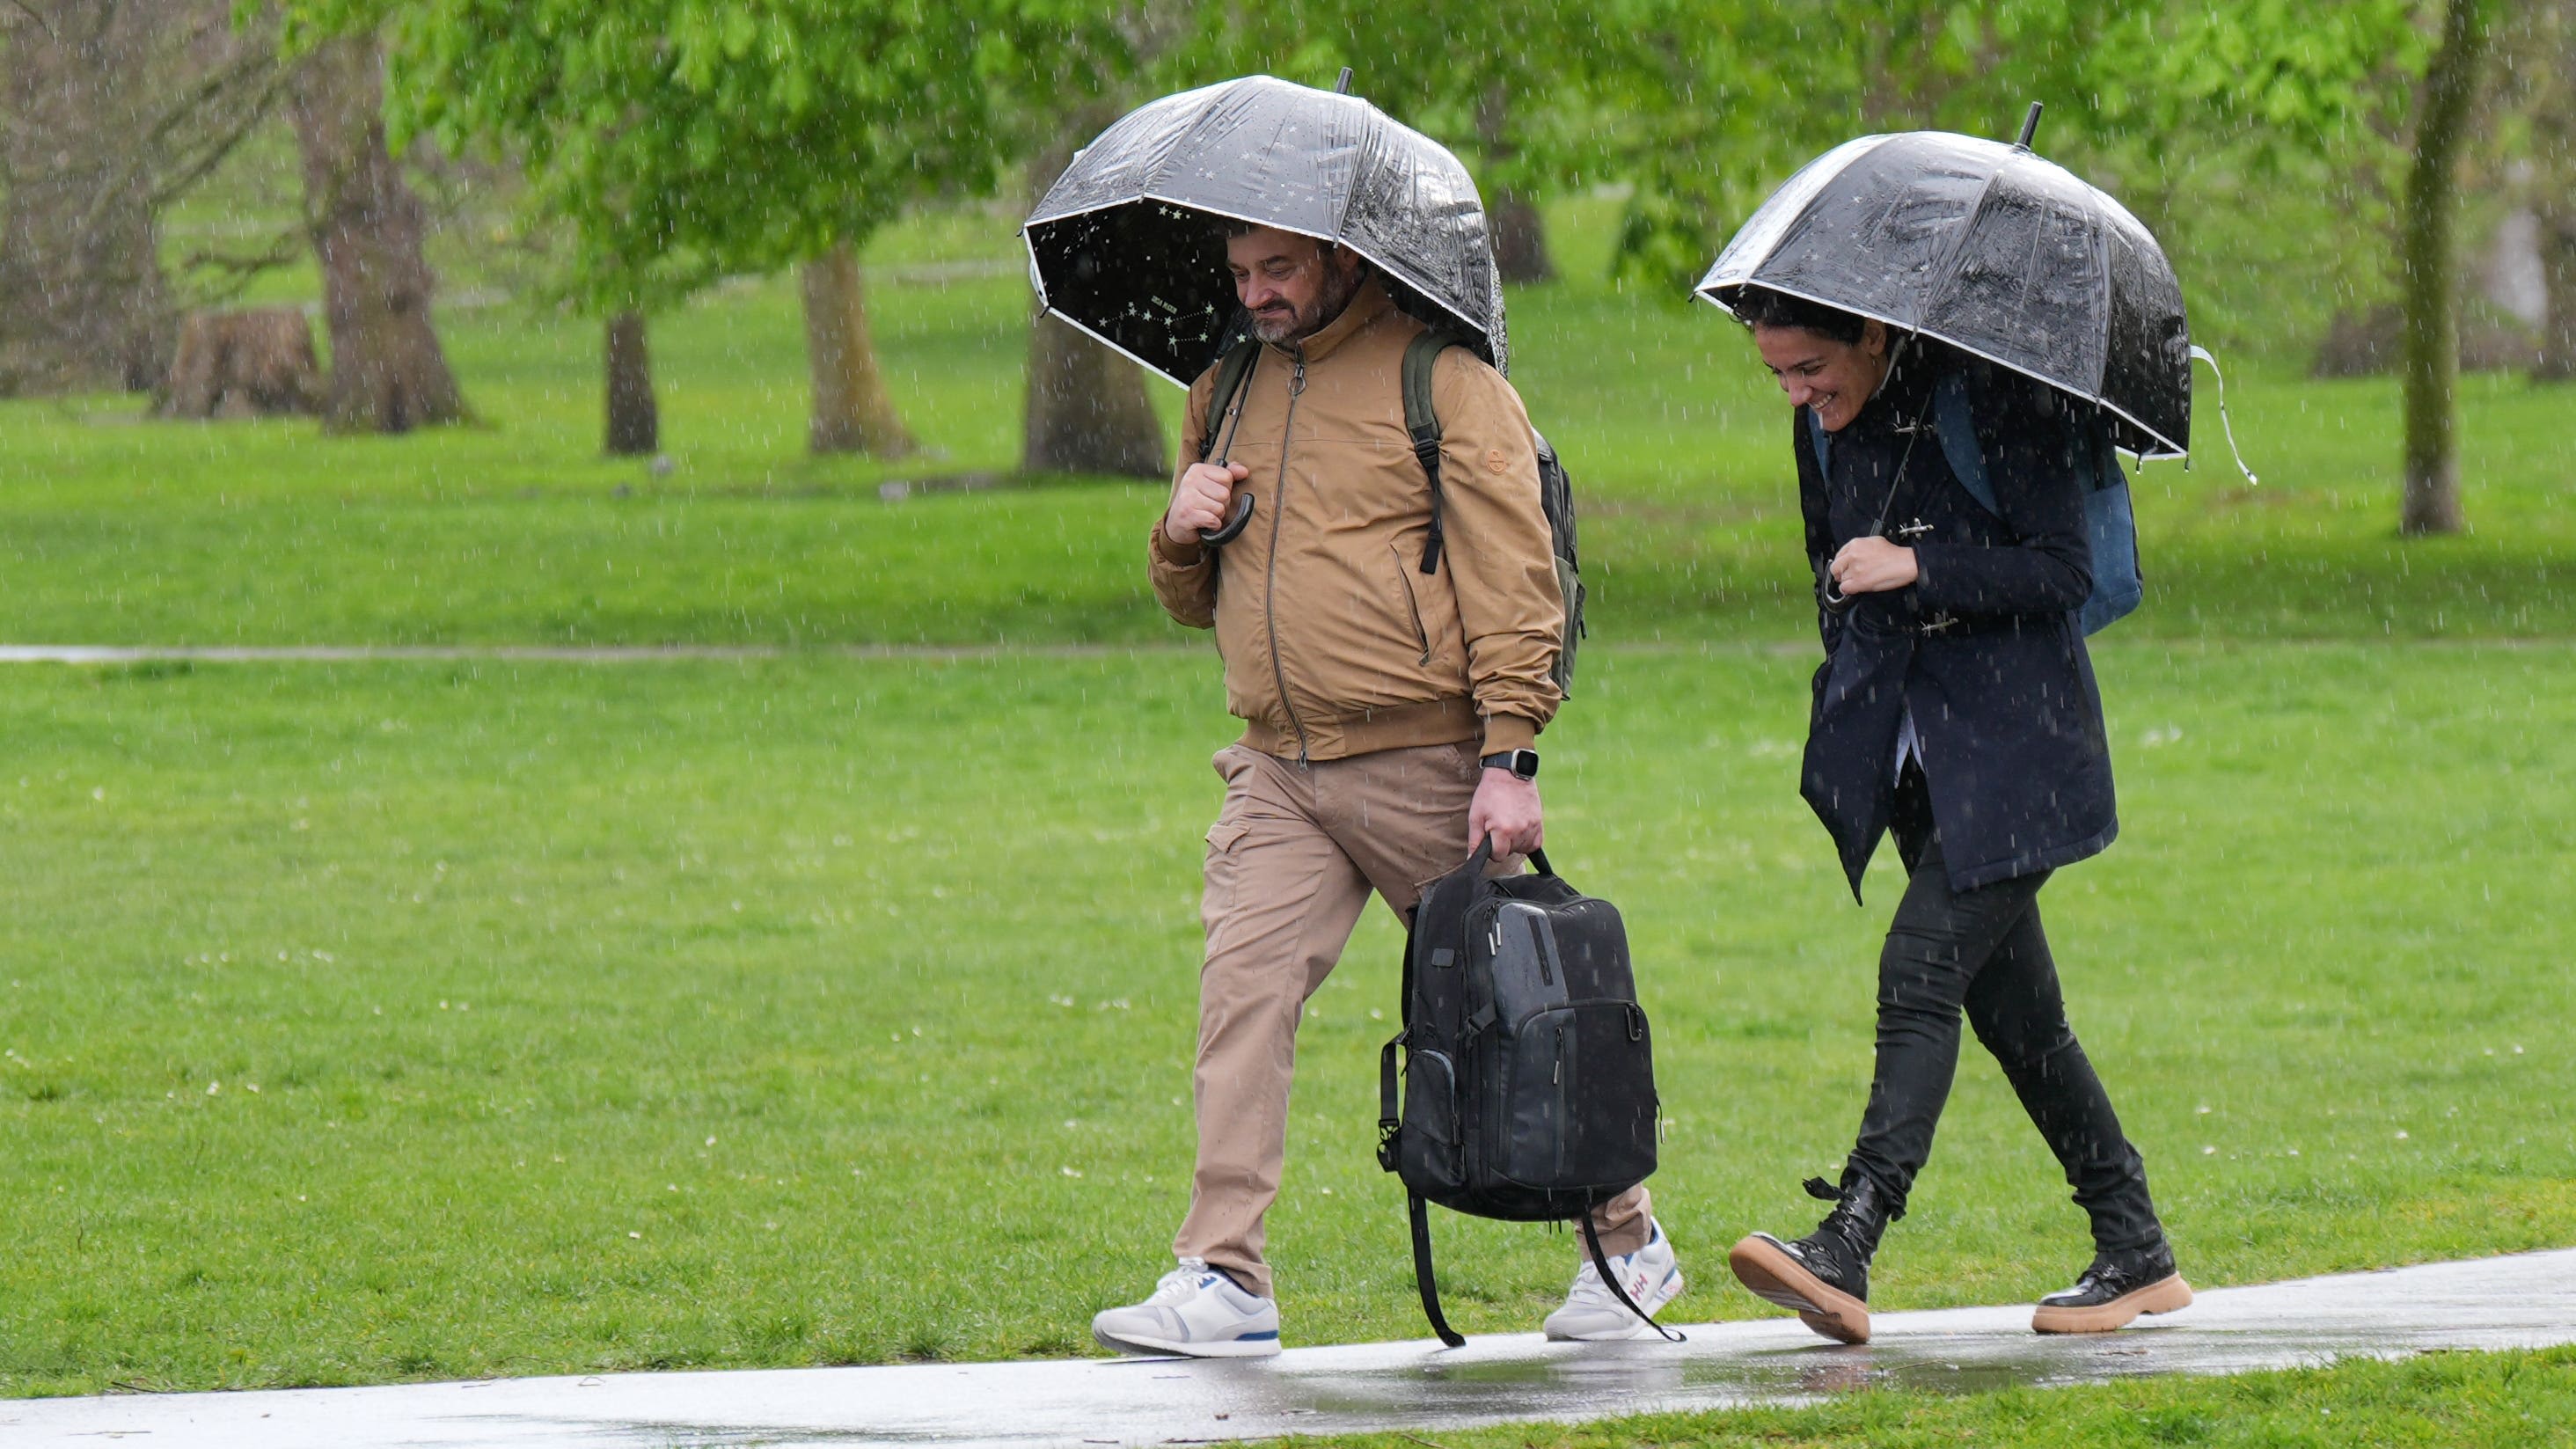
1522,763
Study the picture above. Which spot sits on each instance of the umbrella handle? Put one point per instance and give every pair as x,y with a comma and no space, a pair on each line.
1220,537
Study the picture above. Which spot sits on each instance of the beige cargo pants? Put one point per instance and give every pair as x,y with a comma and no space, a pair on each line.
1291,860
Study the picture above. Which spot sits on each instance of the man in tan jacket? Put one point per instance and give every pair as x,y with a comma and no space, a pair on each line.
1389,723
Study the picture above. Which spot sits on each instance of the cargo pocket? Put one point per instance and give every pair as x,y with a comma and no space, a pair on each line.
1431,1141
1216,899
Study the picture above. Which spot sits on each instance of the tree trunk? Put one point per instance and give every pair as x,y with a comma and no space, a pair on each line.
388,372
2557,359
1519,234
2430,268
851,411
2554,156
634,420
1520,238
1087,411
1086,408
83,303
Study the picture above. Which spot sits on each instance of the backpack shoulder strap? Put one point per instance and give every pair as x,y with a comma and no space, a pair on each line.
1422,1279
1230,373
1422,424
1957,426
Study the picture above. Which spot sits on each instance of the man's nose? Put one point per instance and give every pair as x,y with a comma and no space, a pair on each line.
1252,292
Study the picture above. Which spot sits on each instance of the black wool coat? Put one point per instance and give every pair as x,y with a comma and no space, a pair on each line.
1982,647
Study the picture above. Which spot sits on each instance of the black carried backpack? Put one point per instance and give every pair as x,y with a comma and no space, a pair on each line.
1422,423
1528,1089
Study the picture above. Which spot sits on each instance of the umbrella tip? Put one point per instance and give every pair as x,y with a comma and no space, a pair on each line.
2029,127
1342,87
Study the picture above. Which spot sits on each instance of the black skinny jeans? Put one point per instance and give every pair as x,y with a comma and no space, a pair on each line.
1983,950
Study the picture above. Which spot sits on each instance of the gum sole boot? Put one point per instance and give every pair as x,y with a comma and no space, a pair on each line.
2071,1312
1772,1271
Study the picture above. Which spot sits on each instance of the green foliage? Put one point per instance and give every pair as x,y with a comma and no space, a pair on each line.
2147,95
680,139
675,141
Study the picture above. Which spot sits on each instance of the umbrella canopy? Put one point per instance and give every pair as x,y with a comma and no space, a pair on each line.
1990,249
1126,246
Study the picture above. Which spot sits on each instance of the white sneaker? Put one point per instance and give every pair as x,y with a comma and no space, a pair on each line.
1198,1311
1593,1314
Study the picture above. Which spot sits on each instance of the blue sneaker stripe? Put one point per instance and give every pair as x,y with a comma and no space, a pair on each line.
1256,1337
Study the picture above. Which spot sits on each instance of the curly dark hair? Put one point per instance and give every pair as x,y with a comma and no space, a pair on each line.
1762,307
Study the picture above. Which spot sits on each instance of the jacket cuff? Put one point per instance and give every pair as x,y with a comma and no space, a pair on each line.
1178,555
1927,588
1508,732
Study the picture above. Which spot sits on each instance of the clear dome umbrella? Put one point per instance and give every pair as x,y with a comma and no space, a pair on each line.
1993,250
1126,244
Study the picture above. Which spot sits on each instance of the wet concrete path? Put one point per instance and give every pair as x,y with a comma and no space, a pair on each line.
2523,1301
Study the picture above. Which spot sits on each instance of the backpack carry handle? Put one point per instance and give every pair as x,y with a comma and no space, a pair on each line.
1484,856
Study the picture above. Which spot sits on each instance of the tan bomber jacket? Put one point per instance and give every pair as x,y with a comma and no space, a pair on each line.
1335,643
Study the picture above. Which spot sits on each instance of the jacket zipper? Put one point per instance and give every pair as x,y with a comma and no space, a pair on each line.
1270,583
1557,1079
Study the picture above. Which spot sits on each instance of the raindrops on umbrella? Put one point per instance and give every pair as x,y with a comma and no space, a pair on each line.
1128,243
1993,250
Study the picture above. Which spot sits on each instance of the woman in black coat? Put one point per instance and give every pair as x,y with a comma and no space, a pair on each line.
1956,708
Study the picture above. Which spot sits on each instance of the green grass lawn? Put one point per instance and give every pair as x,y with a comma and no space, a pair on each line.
394,1021
407,1021
2438,1401
118,530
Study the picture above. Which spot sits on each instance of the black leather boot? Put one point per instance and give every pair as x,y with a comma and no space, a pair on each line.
2114,1291
1824,1276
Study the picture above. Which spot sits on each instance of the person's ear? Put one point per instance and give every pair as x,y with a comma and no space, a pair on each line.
1873,337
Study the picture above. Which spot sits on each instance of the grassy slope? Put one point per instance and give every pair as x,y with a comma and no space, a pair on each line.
820,1011
116,530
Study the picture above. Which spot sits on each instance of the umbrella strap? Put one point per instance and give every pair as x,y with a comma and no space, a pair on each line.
2205,355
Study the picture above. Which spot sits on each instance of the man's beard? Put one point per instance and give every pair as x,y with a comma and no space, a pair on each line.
1332,294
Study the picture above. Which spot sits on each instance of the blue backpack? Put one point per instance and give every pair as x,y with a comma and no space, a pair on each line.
2109,525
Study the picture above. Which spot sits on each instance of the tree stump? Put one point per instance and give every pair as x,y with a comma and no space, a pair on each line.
246,364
